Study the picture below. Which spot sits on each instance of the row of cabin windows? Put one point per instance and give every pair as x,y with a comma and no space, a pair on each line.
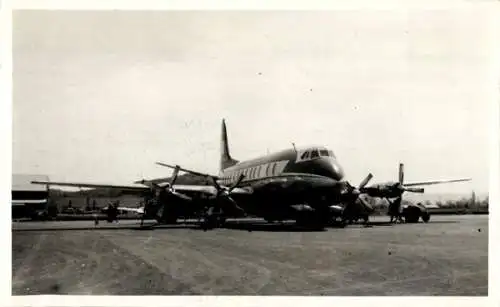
261,171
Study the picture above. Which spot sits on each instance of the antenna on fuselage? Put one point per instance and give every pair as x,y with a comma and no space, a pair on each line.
293,144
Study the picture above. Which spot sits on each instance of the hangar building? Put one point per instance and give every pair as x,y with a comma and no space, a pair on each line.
28,199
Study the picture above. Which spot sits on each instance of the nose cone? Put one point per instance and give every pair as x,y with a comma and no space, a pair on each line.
331,168
337,171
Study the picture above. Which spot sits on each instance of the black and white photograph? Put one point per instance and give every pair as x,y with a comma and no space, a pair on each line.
251,153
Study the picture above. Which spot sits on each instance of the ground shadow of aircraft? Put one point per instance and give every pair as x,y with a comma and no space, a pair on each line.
270,227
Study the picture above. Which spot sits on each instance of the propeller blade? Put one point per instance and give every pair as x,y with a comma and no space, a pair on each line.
180,195
365,204
235,205
366,180
401,173
214,181
174,175
234,186
413,190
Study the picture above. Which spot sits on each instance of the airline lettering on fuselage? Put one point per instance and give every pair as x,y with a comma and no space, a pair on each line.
265,170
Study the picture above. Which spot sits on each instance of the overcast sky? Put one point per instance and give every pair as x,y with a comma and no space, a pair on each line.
100,96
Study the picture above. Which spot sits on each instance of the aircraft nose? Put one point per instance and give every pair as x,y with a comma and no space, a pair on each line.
337,171
332,169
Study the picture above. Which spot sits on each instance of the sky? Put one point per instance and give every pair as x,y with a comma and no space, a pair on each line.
101,96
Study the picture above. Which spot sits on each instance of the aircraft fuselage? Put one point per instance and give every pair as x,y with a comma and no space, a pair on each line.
289,177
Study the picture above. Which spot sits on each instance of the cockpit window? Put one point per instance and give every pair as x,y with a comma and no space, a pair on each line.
323,153
305,155
330,153
314,153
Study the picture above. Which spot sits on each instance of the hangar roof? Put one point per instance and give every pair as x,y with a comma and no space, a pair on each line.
22,182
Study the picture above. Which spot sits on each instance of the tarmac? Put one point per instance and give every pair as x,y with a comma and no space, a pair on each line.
447,256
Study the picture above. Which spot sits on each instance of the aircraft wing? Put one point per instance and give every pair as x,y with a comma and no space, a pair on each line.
137,188
435,182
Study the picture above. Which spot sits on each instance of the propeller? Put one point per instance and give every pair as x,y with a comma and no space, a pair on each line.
396,189
159,190
225,192
353,193
222,192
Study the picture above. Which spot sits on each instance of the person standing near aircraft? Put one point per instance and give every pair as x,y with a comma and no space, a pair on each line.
395,210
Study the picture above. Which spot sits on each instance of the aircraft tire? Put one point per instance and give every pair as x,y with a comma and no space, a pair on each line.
426,217
412,214
340,224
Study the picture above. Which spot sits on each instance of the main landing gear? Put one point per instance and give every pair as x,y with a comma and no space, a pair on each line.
212,219
409,214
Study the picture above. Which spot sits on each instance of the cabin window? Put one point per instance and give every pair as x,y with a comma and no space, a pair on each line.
323,153
305,155
314,154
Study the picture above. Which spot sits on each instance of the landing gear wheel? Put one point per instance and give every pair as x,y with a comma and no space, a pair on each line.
411,218
342,223
426,217
211,222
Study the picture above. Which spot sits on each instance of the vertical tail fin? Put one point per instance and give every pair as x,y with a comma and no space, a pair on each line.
225,157
401,173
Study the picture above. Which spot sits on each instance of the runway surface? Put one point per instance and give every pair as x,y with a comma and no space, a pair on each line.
448,256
